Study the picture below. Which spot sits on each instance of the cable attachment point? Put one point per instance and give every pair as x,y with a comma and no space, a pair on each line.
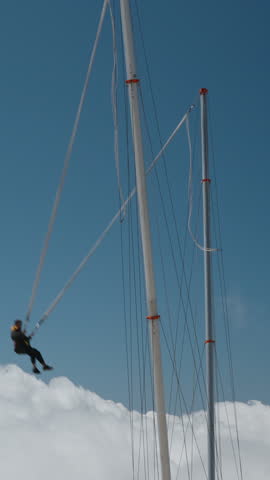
153,317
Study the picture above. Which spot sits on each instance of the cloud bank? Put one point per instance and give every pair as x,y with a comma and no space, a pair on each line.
63,431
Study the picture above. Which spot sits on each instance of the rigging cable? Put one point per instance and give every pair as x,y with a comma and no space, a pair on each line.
129,321
184,276
180,392
224,295
179,286
184,400
218,420
222,268
189,300
125,279
158,128
141,352
175,341
114,105
172,340
155,111
158,230
197,373
106,230
219,376
65,167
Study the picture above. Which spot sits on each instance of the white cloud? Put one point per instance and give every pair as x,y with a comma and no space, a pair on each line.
63,431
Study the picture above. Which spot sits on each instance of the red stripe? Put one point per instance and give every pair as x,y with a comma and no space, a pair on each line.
132,80
206,180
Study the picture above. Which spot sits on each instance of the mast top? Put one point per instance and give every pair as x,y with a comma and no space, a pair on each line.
203,91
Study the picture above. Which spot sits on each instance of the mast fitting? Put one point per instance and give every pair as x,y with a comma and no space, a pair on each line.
133,80
203,91
206,180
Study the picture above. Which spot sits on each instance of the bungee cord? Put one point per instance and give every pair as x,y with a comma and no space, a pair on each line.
107,229
114,106
65,167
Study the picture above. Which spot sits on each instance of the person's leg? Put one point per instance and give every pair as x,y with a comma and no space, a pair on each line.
32,352
37,355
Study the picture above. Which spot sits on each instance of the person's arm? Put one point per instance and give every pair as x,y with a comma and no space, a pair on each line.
25,338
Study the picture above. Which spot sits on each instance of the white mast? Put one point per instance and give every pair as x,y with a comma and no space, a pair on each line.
209,340
153,317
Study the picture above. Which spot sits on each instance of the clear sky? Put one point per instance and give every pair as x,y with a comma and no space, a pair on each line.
45,48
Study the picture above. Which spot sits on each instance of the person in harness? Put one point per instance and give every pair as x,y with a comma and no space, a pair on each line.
22,346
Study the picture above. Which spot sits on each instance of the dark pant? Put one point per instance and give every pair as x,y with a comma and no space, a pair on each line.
33,353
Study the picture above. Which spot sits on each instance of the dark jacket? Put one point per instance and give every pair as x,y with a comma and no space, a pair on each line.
21,341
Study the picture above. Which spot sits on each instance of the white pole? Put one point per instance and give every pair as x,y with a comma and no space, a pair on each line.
153,317
209,341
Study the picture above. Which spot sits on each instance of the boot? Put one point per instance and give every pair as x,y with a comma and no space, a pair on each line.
47,367
35,369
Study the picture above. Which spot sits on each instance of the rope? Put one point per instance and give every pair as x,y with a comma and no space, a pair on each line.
190,195
65,167
114,105
107,229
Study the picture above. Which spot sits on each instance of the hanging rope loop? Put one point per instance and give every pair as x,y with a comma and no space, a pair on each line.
107,229
190,193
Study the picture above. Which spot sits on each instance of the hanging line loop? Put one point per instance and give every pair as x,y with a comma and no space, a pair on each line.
60,295
190,193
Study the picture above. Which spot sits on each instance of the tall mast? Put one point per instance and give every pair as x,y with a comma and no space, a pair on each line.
209,340
153,317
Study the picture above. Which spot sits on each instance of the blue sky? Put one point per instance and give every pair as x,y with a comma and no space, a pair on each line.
44,55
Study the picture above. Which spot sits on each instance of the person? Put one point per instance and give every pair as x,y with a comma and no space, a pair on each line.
22,345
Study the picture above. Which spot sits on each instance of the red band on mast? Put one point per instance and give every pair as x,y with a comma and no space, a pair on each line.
206,180
132,80
210,341
154,317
